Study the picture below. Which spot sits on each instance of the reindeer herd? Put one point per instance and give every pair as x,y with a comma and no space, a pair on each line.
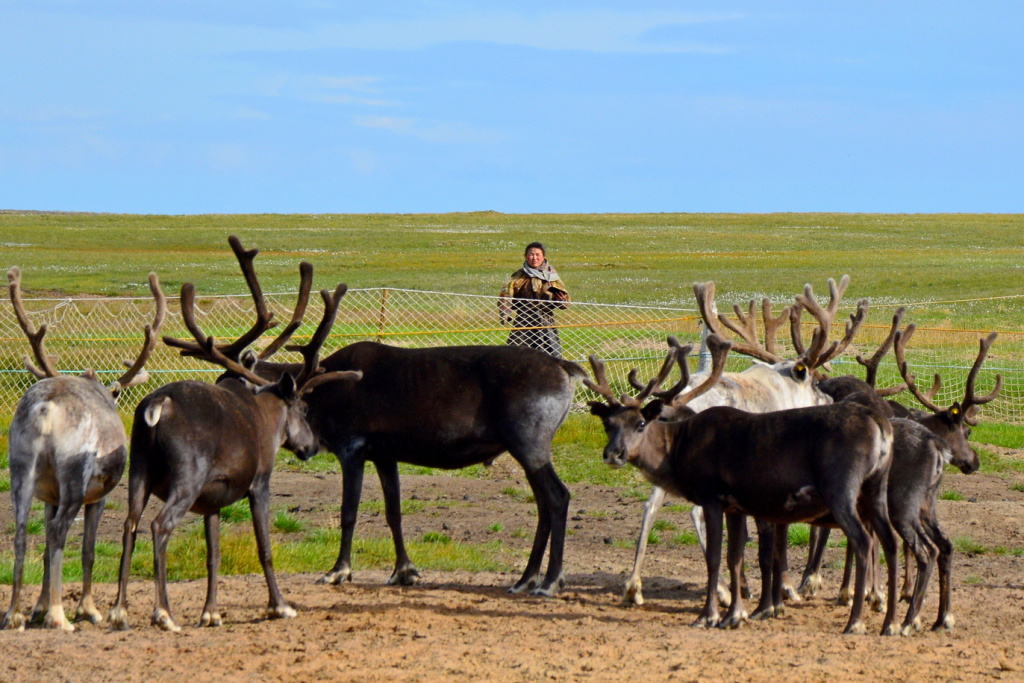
781,442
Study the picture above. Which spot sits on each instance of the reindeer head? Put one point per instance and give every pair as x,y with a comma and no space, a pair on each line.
626,418
953,423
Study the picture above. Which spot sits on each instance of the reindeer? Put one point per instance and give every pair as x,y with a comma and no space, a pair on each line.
774,383
810,462
67,448
199,447
922,447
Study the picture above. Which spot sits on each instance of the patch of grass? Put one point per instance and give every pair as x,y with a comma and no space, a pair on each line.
951,494
236,512
496,527
598,514
999,434
637,493
409,506
436,537
520,533
994,463
663,525
653,538
1017,487
519,495
686,538
679,507
5,483
968,546
973,580
287,523
799,535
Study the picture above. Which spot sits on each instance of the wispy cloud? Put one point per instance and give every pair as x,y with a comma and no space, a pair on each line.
438,132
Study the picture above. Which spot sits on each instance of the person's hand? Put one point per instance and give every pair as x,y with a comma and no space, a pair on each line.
559,295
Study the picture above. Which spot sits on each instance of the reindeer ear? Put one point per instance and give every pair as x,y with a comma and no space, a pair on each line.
652,410
800,371
599,408
286,386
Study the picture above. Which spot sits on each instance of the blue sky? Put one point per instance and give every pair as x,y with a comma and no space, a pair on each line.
558,106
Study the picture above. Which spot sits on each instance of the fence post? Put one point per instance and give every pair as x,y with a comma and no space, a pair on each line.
704,362
383,319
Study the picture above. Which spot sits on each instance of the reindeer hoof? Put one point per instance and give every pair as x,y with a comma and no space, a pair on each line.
549,588
810,586
790,594
89,613
945,624
15,621
162,619
336,578
845,598
210,619
118,618
706,622
524,584
725,597
633,593
57,620
404,577
281,612
856,629
733,621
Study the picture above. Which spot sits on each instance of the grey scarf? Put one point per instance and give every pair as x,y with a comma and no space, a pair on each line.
545,272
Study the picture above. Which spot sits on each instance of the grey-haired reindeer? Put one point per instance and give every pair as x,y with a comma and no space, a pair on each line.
67,448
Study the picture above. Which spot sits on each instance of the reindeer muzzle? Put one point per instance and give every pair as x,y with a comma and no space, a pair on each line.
614,457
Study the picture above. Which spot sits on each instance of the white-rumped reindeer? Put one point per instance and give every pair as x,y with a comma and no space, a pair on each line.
68,448
200,447
779,467
772,383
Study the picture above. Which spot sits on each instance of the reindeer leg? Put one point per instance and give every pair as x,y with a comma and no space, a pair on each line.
877,512
552,516
858,541
713,558
211,528
22,487
846,595
405,573
56,536
351,492
724,595
945,620
737,541
259,503
179,501
633,590
811,581
86,606
916,540
765,560
42,605
138,496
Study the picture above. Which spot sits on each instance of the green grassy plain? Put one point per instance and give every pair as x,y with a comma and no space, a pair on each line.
604,258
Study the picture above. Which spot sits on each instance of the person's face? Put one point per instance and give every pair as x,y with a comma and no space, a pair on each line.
534,257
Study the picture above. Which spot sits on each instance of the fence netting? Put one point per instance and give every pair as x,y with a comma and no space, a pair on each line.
100,333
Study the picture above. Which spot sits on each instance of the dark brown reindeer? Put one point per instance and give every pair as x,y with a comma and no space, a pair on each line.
68,448
448,408
808,462
923,446
199,447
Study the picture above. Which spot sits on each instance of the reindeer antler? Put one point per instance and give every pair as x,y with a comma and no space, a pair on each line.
871,364
602,387
264,318
682,353
746,328
924,398
971,400
35,338
820,351
136,371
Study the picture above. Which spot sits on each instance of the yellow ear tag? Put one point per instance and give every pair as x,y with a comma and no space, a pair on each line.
955,411
799,367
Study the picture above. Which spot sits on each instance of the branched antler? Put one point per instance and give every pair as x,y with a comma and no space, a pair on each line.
871,364
746,327
820,350
35,338
136,373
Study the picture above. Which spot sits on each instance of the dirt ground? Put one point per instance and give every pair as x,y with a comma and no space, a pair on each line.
465,626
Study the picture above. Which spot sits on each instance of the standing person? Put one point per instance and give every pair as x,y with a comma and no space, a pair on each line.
533,293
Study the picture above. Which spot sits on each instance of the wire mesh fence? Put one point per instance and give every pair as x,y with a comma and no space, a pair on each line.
100,333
